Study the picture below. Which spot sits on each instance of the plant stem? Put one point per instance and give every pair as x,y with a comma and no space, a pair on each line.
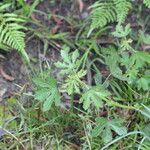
72,100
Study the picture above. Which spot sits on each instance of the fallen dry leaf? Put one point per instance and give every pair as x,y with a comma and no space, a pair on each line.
4,75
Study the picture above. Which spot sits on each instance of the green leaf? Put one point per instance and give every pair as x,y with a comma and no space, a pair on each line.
69,62
100,125
105,127
94,96
42,94
73,83
107,134
47,92
121,31
147,3
54,97
41,82
144,38
119,130
11,31
143,83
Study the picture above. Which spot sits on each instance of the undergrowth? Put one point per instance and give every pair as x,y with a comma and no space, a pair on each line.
99,98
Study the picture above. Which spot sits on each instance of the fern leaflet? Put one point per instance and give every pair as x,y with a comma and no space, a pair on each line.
147,3
11,34
122,9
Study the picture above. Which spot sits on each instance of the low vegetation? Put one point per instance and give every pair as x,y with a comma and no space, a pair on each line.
95,94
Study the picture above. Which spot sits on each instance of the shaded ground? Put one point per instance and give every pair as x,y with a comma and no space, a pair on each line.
14,72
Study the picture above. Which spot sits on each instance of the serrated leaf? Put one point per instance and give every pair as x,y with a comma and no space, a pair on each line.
143,83
94,96
73,83
40,82
105,127
69,61
53,98
75,56
121,31
47,92
100,125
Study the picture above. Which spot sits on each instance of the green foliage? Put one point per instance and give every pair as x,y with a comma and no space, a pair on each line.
73,83
105,127
122,9
147,3
102,14
27,8
121,31
70,61
47,92
144,38
94,96
11,34
106,76
107,12
132,65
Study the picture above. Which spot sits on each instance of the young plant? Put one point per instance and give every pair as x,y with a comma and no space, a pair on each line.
47,92
69,69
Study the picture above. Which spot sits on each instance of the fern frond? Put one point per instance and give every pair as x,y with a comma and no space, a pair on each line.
102,13
122,9
147,3
11,34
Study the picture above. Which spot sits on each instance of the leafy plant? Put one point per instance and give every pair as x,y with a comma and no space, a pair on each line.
122,31
102,14
47,92
147,3
122,9
70,61
105,127
73,83
11,34
94,96
107,12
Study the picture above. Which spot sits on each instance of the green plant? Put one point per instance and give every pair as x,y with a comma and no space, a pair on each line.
147,3
70,61
105,12
94,96
105,127
47,92
11,34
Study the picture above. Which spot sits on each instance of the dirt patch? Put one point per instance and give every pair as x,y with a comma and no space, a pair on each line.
13,65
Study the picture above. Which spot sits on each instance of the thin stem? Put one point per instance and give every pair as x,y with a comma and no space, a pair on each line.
72,102
121,137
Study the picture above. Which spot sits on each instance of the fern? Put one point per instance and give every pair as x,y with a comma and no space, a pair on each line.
107,12
147,3
102,14
11,34
122,9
